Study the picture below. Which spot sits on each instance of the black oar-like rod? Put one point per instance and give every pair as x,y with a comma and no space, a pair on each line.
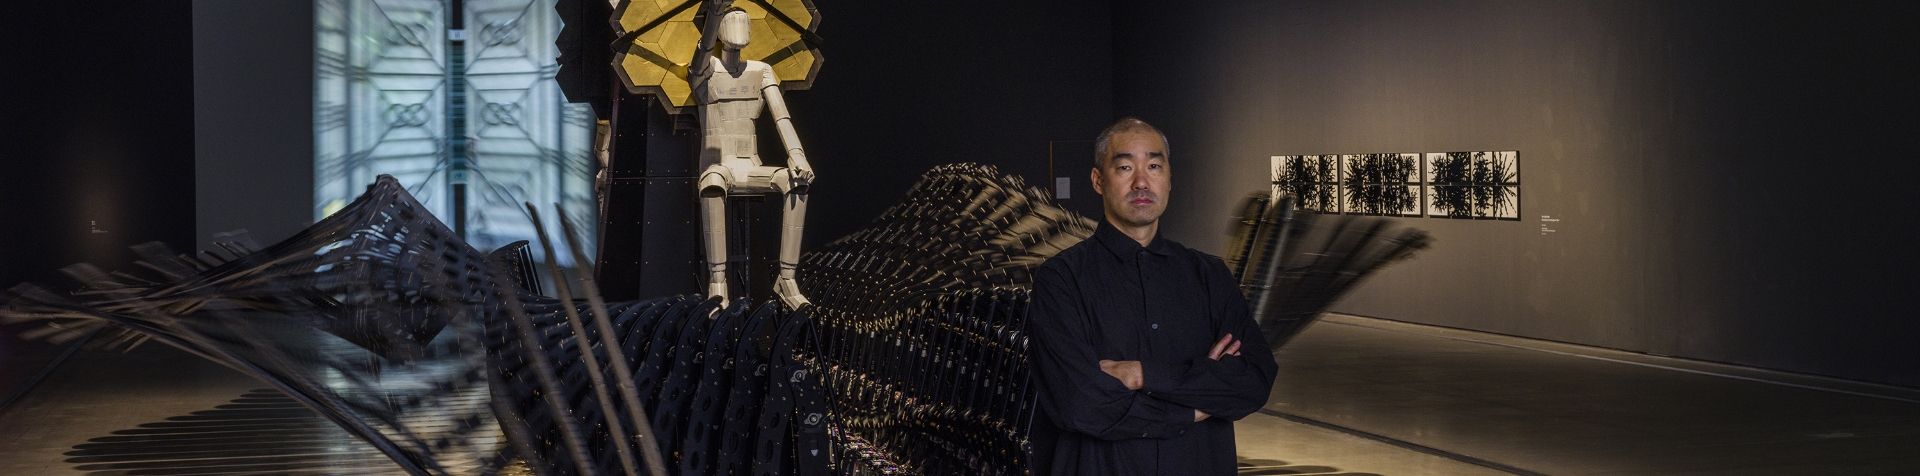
622,376
554,394
594,376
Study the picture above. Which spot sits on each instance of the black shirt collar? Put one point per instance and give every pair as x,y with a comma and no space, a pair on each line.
1122,245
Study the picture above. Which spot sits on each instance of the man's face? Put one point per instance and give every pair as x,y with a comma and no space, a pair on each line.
1135,180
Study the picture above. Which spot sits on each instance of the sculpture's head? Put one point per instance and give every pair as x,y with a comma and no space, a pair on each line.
735,28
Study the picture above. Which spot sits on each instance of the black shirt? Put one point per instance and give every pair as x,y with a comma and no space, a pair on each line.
1108,298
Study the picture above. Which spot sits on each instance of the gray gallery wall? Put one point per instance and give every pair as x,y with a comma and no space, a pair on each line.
1729,176
253,118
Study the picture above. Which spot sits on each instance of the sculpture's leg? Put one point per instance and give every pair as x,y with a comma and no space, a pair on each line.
792,222
713,223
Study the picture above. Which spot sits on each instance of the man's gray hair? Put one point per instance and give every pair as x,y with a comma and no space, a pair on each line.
1103,145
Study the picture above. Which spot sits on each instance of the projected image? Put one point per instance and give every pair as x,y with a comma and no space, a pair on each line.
1313,181
469,120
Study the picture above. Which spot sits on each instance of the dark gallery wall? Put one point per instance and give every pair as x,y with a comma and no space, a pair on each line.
253,118
908,87
96,147
98,139
1727,177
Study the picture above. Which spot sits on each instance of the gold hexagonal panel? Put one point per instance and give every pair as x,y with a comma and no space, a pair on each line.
651,57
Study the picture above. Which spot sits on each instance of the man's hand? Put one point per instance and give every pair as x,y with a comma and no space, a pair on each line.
1226,346
1128,371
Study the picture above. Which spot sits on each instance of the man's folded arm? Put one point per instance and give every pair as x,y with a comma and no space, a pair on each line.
1232,387
1073,390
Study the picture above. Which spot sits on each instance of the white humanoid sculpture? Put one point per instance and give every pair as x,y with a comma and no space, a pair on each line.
731,92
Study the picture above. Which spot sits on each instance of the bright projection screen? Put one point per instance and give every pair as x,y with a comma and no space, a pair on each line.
460,106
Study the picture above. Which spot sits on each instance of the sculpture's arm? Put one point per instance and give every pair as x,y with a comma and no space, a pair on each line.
777,104
702,63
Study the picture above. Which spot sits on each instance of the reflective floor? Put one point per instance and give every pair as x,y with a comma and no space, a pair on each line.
160,411
20,359
1355,396
1544,408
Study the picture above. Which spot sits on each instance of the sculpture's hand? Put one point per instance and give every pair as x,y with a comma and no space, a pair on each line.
699,67
716,8
798,166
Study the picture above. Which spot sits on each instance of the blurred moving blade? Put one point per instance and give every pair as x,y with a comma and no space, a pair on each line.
1297,263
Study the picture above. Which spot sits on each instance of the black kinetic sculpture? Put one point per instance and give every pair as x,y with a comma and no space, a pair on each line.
922,316
380,295
911,359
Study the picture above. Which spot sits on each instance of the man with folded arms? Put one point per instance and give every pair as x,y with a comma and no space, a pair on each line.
1145,350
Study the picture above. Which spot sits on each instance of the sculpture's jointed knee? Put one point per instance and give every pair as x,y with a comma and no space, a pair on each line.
785,181
716,181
